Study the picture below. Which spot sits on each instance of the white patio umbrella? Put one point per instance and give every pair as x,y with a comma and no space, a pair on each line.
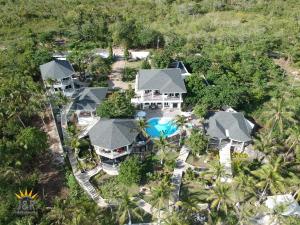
141,114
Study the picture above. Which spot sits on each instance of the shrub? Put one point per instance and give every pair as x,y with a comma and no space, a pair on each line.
128,74
197,142
145,64
130,171
118,105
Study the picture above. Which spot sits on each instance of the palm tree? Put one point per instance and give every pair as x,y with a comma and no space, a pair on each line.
180,122
221,197
162,144
216,170
293,139
142,125
269,178
127,208
175,218
278,114
75,144
189,201
266,144
160,195
60,213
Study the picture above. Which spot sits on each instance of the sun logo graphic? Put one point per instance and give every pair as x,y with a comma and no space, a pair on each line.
27,202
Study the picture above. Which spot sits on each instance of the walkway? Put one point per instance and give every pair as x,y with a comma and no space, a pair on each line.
118,66
225,160
84,180
177,176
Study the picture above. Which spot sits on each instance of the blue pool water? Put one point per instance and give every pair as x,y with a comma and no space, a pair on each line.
160,126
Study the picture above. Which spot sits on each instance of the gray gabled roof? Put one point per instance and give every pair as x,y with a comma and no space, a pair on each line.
231,125
113,133
164,80
56,70
89,98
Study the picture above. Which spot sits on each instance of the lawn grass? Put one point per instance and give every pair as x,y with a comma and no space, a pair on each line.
135,64
197,161
109,186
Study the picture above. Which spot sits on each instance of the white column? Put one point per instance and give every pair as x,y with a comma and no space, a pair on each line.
142,95
243,145
62,87
127,148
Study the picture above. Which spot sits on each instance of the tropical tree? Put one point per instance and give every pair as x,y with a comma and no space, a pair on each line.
197,142
160,196
33,141
220,197
162,144
175,218
278,114
60,213
142,125
118,105
99,67
130,171
180,122
189,202
269,179
293,140
127,208
215,170
266,144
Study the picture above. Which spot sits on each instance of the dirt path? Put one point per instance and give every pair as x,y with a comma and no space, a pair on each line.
293,72
115,78
50,165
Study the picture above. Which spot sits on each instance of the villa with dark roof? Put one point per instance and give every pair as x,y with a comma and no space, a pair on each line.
57,76
114,139
159,88
231,126
86,102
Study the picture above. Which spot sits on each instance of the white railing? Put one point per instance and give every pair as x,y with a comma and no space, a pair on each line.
113,154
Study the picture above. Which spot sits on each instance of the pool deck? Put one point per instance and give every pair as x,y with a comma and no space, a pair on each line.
171,113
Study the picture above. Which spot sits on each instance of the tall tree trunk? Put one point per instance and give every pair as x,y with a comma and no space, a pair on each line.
288,152
129,217
19,118
263,193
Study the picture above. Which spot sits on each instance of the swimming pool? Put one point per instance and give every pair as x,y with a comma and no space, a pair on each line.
161,126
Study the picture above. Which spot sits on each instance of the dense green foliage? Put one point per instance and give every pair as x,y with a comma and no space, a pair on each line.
197,142
130,171
118,105
128,74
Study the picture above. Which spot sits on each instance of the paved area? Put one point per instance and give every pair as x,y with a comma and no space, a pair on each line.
85,131
225,160
171,113
177,176
146,206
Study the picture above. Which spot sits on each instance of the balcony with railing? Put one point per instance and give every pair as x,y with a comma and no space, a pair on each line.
113,154
160,97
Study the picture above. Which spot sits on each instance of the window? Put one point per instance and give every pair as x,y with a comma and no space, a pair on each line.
68,87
